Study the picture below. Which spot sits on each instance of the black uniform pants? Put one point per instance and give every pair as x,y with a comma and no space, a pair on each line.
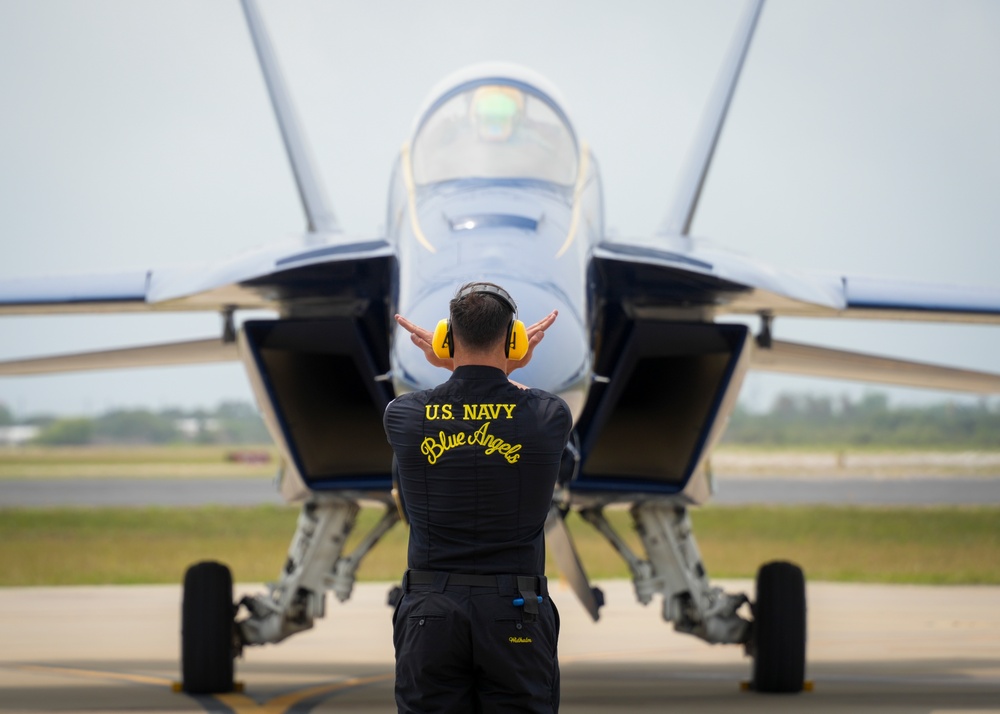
464,649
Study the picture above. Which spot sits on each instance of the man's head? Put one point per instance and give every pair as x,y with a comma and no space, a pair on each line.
481,315
483,318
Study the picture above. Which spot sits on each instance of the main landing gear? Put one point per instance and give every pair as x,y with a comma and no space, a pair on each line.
212,637
209,642
775,637
778,633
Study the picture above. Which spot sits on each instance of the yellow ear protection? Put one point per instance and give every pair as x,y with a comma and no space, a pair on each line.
516,346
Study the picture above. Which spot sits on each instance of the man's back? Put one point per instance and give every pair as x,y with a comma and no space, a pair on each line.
478,459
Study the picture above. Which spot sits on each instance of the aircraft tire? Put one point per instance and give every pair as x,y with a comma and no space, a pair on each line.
780,629
207,622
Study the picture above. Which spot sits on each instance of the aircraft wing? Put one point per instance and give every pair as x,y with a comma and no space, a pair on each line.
112,292
812,361
258,279
678,271
678,278
671,275
164,355
346,274
879,298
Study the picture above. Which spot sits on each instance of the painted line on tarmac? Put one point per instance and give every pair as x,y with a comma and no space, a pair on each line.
236,703
240,703
94,674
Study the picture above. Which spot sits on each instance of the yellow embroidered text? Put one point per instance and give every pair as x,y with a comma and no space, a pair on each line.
432,412
487,411
477,412
434,448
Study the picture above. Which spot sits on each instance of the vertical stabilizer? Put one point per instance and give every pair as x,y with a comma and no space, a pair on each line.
681,215
319,215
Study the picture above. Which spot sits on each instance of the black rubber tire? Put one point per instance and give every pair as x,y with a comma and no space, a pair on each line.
207,624
779,664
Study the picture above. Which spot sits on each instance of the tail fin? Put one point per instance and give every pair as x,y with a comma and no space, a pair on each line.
681,215
319,215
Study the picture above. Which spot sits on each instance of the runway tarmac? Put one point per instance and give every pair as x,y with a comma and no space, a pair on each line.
871,648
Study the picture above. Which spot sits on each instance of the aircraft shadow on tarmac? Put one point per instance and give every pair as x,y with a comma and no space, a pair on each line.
588,687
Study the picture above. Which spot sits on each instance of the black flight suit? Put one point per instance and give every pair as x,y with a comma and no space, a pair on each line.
477,460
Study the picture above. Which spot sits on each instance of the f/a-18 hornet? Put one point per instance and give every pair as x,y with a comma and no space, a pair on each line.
494,184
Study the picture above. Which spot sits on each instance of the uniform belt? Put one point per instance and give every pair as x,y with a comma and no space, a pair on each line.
433,577
530,589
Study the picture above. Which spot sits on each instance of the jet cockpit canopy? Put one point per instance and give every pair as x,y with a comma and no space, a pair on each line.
494,126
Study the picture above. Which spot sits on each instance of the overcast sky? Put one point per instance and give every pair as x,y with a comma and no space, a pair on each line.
864,139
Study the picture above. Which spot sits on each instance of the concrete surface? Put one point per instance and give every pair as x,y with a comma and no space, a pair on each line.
871,648
731,491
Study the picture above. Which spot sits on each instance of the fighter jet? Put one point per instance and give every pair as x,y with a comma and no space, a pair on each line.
494,184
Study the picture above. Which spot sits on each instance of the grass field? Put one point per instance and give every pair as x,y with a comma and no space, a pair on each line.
121,546
155,545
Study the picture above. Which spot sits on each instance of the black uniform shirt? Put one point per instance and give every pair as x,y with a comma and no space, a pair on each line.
478,459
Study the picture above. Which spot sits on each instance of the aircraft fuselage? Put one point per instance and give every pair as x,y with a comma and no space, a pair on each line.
516,202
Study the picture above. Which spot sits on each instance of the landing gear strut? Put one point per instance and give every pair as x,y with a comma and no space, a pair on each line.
211,637
775,637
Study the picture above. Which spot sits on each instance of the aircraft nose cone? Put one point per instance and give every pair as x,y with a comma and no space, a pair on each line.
562,357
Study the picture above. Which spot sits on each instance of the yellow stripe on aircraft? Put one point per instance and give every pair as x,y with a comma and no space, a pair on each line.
581,180
411,200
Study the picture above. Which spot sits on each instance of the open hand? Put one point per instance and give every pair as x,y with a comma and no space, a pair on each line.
535,334
421,337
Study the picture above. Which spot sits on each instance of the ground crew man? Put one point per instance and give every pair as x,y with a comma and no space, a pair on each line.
477,459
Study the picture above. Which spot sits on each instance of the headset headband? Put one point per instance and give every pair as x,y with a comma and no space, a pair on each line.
494,291
517,343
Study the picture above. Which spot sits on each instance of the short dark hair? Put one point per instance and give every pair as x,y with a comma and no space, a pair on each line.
481,318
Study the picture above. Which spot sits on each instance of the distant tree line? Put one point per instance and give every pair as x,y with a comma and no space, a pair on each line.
819,420
229,423
793,419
